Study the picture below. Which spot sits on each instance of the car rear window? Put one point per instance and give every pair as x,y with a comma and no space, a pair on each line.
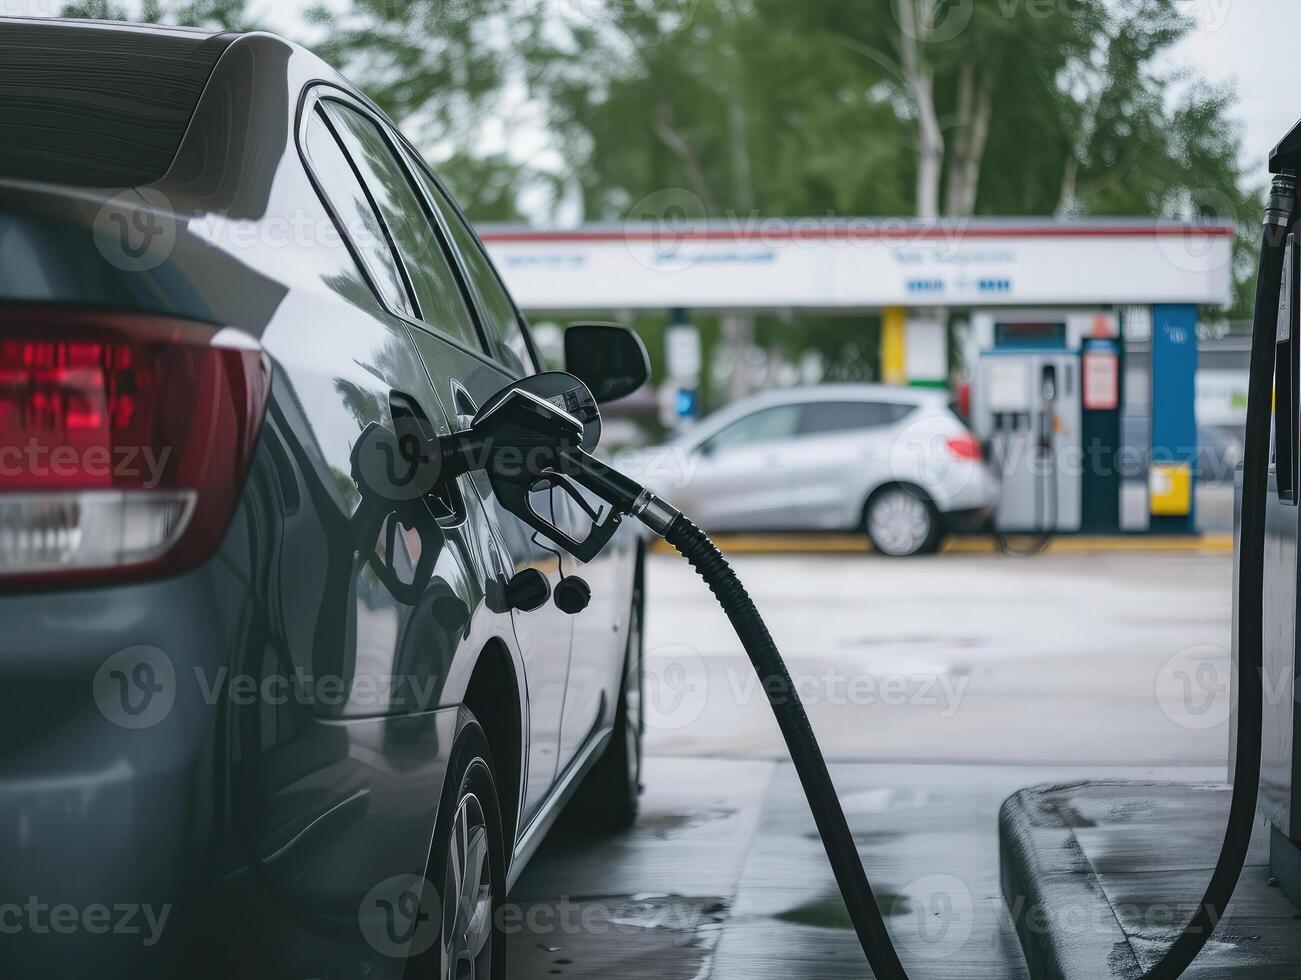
97,106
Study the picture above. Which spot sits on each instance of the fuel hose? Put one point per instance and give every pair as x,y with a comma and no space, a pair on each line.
864,911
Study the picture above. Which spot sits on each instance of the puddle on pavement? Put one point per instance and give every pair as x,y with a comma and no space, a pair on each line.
864,838
666,826
599,936
830,912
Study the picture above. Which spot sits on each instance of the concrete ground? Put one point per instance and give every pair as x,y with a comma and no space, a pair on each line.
938,687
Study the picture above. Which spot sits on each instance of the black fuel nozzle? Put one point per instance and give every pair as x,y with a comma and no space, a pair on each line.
515,436
537,435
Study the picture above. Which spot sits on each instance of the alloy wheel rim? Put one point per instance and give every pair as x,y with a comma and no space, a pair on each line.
468,899
900,523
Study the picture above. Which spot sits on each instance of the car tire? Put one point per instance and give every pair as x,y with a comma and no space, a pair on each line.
610,797
467,866
901,521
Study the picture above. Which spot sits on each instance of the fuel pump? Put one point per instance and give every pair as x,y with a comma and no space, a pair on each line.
539,433
1028,410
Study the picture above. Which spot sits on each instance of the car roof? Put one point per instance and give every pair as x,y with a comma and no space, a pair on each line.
803,394
55,23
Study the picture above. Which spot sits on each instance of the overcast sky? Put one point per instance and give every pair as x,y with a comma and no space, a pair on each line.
1253,44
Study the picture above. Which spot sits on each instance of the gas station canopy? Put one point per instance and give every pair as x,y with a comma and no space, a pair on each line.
866,264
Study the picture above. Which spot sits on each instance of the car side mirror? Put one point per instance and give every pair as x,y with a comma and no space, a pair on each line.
610,359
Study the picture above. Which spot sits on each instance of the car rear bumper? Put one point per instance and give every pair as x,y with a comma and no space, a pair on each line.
155,824
103,741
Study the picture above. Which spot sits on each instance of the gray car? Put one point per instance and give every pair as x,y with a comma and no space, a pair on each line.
262,719
894,463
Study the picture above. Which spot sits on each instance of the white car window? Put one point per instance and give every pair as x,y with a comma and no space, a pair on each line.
765,425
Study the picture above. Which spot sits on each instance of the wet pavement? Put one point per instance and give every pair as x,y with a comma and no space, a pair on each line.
939,687
725,878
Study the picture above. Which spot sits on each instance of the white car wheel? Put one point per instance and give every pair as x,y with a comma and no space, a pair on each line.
901,523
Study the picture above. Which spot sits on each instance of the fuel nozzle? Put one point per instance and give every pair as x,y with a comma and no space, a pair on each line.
538,434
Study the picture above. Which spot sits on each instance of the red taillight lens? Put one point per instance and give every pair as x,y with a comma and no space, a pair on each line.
965,447
124,441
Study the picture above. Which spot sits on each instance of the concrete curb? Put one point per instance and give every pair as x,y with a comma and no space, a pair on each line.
1048,882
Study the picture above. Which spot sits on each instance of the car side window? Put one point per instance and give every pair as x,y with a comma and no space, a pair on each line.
353,209
829,418
507,340
437,292
765,425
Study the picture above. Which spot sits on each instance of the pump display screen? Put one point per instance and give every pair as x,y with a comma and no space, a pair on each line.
1030,334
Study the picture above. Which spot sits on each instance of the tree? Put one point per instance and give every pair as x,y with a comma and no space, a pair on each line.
229,15
440,69
721,100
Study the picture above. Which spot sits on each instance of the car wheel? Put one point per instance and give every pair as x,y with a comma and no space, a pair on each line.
901,522
610,796
468,867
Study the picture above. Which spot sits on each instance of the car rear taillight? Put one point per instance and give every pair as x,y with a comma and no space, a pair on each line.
965,447
124,442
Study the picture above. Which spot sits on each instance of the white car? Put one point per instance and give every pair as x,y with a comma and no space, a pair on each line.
896,463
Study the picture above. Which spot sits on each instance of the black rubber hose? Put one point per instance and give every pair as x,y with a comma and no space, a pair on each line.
811,767
1251,582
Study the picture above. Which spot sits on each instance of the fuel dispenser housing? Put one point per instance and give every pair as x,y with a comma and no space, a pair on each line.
1045,396
1280,785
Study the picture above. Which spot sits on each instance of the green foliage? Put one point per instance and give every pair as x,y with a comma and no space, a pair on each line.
724,101
227,15
486,187
435,60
